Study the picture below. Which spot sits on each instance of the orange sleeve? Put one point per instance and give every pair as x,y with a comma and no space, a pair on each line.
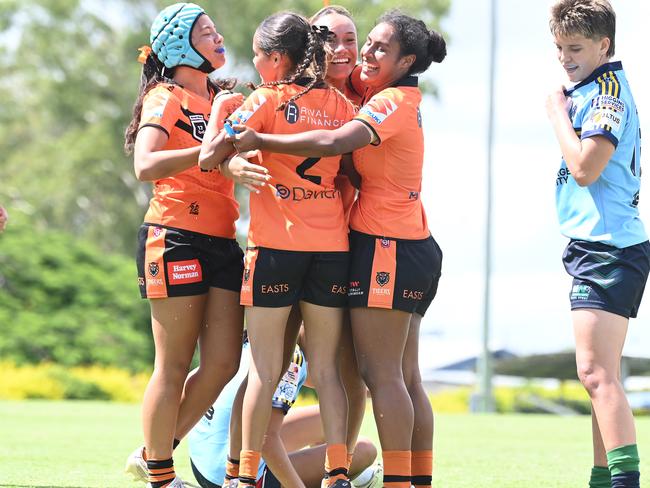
160,108
384,113
257,110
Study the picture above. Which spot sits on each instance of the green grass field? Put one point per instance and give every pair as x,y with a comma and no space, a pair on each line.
84,444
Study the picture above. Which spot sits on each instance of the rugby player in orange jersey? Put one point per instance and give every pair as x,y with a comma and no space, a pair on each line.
189,263
298,240
395,263
343,53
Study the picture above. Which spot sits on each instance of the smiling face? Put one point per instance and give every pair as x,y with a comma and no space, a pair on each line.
208,42
580,56
381,62
342,43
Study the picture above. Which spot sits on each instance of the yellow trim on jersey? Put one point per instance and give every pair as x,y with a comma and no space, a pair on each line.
609,84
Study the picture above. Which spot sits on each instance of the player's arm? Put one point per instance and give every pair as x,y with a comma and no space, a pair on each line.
223,105
585,158
351,136
151,162
274,453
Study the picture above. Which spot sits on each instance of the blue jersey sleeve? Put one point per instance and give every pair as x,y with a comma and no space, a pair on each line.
606,115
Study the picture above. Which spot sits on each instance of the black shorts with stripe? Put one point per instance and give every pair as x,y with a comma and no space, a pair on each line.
606,277
392,273
280,278
175,262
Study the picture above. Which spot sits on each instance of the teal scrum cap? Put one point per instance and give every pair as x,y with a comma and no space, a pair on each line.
171,37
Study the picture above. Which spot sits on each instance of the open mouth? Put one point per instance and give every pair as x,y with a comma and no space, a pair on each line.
570,69
220,50
369,68
340,61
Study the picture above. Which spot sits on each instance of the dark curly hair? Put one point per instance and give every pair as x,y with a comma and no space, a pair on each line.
415,38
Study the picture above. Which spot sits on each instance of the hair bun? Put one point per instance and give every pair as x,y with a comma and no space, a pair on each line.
437,47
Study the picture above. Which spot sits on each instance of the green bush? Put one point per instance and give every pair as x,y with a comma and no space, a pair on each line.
65,301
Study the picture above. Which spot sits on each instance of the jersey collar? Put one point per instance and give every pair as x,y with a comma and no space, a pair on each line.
613,66
408,80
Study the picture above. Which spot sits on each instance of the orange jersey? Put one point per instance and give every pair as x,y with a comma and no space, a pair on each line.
389,202
192,200
301,209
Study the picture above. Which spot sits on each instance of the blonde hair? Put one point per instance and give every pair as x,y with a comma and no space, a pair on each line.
593,19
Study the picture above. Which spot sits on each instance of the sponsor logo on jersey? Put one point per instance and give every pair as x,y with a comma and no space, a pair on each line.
291,112
256,101
157,231
382,278
153,268
608,102
198,126
385,243
140,281
183,272
562,176
316,117
419,118
605,118
378,109
298,194
414,195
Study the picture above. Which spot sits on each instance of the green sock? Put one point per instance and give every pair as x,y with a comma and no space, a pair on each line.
623,459
600,477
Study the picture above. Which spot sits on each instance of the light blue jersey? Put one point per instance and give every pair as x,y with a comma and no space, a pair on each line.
605,211
209,439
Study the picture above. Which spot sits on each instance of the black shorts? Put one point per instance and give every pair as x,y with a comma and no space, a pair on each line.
391,273
278,278
268,480
202,480
175,262
606,277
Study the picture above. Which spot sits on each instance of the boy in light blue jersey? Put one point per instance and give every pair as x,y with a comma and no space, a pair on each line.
597,194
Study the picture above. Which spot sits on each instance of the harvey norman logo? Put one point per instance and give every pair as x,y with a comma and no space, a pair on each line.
182,272
378,109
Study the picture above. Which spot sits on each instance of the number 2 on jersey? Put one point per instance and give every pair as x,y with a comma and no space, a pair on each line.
302,168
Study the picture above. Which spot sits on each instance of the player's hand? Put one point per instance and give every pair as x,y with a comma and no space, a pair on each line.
246,138
250,175
225,103
4,218
558,102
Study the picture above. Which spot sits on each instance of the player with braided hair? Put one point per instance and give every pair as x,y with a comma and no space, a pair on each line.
298,239
395,263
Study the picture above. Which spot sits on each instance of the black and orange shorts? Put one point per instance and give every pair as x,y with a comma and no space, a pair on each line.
175,262
392,273
279,278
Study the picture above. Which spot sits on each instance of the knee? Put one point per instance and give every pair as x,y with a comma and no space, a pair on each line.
593,377
365,452
324,375
384,376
